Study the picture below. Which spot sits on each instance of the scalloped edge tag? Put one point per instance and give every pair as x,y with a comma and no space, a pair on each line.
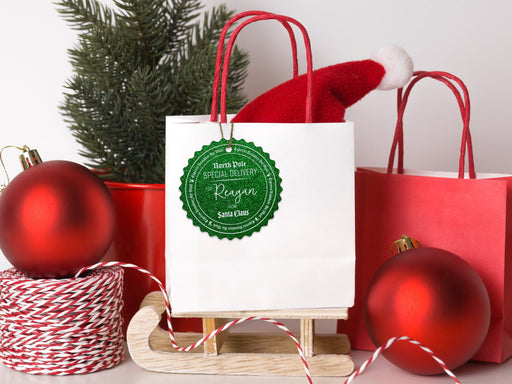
230,190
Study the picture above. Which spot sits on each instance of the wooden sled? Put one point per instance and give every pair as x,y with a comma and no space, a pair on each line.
236,353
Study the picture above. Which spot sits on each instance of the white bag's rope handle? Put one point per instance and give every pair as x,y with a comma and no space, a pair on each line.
309,60
229,49
220,54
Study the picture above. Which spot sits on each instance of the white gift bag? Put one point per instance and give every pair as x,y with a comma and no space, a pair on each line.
301,256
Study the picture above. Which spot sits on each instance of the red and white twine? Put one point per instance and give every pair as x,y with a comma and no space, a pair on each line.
61,326
73,326
215,332
388,344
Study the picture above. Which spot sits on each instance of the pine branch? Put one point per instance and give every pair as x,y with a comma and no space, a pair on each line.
146,99
146,24
193,75
181,17
133,66
84,14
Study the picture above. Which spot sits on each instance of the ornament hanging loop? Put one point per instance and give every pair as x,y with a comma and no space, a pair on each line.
28,159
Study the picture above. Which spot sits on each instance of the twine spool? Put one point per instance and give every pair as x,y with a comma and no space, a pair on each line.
61,326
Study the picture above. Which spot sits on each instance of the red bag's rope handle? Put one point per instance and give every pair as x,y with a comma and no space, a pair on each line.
464,106
220,52
399,131
229,49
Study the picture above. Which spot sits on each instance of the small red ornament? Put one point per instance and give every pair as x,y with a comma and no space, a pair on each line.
433,296
55,217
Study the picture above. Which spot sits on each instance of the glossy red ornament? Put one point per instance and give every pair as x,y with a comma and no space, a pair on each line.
55,218
434,297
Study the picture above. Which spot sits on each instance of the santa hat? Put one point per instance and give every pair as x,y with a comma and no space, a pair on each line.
335,88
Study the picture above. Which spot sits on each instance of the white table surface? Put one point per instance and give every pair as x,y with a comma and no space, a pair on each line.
381,372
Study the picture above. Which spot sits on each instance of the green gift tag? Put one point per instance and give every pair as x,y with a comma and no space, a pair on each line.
230,192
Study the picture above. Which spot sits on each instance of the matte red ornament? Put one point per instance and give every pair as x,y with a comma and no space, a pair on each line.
55,218
433,296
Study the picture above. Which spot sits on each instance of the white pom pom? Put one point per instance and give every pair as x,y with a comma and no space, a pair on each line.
398,65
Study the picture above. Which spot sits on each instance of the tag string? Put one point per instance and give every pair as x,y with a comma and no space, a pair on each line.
230,135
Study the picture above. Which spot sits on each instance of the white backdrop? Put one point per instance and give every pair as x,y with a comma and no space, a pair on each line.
470,38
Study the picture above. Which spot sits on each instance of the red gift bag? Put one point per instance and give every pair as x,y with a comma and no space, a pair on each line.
471,217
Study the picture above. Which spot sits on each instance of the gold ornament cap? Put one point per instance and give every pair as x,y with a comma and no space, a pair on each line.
404,243
29,158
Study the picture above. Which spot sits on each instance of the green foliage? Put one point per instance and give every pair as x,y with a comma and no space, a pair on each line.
135,64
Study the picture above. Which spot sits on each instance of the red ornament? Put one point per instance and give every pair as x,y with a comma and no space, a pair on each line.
55,218
433,296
